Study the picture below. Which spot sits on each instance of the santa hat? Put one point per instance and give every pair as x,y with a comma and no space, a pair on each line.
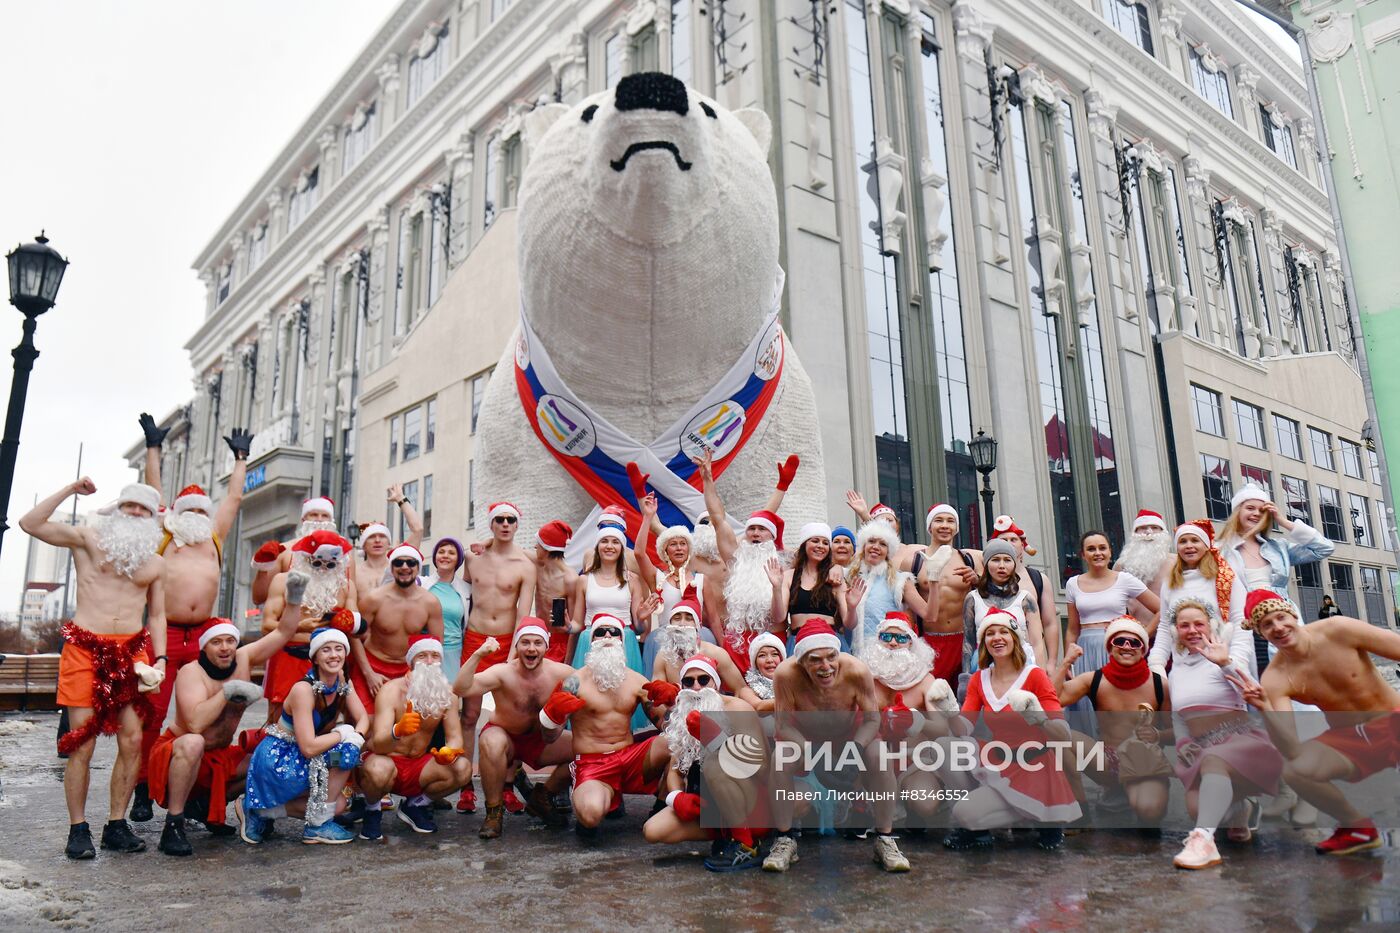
1201,528
816,635
604,618
1147,517
1261,603
671,534
612,531
995,616
882,509
554,536
327,545
325,636
375,528
497,509
876,530
136,494
318,504
770,520
704,665
941,508
406,550
813,530
1005,525
192,497
419,644
612,516
896,621
1126,624
768,640
215,628
530,625
690,605
1249,492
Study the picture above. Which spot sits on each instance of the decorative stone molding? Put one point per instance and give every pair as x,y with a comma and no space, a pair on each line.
1081,266
935,202
1209,60
996,213
1035,86
360,116
1234,212
811,102
1169,17
1103,116
643,14
895,6
889,167
428,41
569,67
1149,157
971,35
388,75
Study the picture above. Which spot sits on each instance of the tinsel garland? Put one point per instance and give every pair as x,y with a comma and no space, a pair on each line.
114,683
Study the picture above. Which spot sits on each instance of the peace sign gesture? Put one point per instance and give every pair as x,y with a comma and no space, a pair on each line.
1249,688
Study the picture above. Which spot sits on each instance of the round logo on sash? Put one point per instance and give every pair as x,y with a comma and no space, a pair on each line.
565,427
769,357
716,429
522,350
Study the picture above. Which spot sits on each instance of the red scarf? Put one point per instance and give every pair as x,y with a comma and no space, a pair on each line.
113,683
1126,676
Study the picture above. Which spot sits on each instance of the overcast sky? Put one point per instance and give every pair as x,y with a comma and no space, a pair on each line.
131,130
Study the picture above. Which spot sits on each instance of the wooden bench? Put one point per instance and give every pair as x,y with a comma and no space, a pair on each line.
29,681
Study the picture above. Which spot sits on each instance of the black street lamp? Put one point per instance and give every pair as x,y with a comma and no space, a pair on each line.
353,534
984,459
36,271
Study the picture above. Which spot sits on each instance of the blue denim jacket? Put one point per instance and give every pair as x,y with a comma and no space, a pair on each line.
1302,544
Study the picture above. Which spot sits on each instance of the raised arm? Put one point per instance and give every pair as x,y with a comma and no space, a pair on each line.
786,471
857,503
645,569
155,612
239,440
468,683
37,524
410,515
155,437
725,539
287,620
781,580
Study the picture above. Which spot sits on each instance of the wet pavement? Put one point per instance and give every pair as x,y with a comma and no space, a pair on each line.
548,879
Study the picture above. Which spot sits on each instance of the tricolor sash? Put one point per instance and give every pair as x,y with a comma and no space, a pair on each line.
595,452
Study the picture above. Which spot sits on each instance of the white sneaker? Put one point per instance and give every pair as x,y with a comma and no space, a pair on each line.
888,855
1199,851
1303,814
782,855
1282,802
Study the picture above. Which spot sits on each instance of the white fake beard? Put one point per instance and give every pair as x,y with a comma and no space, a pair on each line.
128,541
704,543
607,662
898,668
323,590
429,691
1143,555
189,527
748,593
306,528
686,750
679,642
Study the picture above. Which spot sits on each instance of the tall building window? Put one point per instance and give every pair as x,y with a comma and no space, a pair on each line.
1258,476
471,493
1249,423
413,284
489,211
511,166
393,440
1184,286
410,492
1278,136
430,64
1343,587
945,302
400,268
1129,18
646,50
1296,302
1207,410
427,510
1351,459
1213,85
1321,444
498,7
478,390
1290,439
1295,499
1215,478
257,246
682,28
1359,507
437,248
1375,460
1235,257
1373,595
1329,505
412,432
225,283
894,462
359,137
612,60
303,198
430,439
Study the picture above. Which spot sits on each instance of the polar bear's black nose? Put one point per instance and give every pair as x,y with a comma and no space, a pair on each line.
652,90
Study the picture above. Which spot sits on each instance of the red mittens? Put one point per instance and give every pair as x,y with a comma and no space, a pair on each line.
661,693
786,471
558,708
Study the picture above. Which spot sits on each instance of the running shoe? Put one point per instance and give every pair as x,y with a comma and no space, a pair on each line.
888,856
782,855
1345,841
328,833
172,838
1199,851
467,802
733,856
251,827
371,828
79,842
511,802
118,837
420,818
960,840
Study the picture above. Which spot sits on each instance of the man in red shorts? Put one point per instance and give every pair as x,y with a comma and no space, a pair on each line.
554,581
608,761
394,613
407,711
519,688
1327,664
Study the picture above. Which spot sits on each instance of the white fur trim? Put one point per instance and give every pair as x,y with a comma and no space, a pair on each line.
604,618
1190,528
375,528
902,625
766,639
192,501
1149,520
941,508
762,521
612,531
533,627
325,637
1126,625
419,646
502,508
704,665
140,494
265,566
317,504
813,530
815,642
406,550
877,529
670,534
1249,492
214,631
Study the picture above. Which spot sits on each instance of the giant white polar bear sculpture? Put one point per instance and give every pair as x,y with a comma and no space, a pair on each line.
648,252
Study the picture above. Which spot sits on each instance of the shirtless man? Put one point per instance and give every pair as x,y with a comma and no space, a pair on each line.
119,575
520,687
329,600
819,678
407,713
692,736
1327,664
274,557
193,548
680,640
503,592
554,581
372,567
608,761
943,629
197,753
1121,688
394,613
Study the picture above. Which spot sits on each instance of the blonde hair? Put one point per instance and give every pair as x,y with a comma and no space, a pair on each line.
1211,613
1018,651
1209,568
1233,529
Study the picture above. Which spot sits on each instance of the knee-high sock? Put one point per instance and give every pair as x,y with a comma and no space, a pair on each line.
1213,800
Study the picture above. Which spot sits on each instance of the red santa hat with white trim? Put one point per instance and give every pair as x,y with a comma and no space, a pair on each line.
319,504
530,625
419,644
406,551
326,545
554,536
216,627
769,520
941,508
497,509
1146,518
192,497
704,665
816,635
372,529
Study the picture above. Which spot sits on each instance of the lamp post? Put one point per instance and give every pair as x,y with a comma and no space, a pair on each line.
984,459
36,271
353,533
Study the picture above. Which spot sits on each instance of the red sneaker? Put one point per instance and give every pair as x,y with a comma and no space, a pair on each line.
1345,841
512,803
467,802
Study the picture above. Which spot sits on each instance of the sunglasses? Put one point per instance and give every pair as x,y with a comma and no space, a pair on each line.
895,638
1126,641
506,519
403,562
699,680
607,631
320,564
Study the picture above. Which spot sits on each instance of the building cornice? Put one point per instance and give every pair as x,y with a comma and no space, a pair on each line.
1266,57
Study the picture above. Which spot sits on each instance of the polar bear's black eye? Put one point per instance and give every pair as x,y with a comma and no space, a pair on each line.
590,110
709,111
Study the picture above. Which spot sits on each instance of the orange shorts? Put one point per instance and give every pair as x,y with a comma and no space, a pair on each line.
473,640
75,671
284,669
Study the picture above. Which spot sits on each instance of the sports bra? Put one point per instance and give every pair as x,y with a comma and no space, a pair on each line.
804,602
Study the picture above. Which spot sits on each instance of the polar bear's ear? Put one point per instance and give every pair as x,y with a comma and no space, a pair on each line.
538,121
758,124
